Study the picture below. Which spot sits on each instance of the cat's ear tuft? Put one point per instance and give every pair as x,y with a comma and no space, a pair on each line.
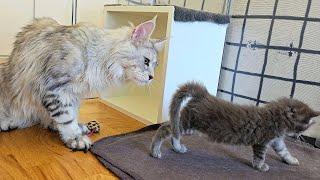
131,24
159,44
144,30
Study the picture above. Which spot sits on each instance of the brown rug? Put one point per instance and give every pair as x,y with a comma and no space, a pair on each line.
128,157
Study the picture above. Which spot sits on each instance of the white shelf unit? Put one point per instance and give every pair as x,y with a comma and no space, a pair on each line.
193,52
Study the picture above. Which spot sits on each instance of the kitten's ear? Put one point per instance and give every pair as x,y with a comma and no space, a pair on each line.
159,44
315,113
144,30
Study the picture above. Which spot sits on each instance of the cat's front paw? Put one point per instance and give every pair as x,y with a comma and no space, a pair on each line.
262,167
291,161
80,143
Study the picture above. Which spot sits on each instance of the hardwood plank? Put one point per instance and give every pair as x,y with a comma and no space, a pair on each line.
36,153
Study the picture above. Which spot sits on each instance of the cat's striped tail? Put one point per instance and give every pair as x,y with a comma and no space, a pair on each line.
191,89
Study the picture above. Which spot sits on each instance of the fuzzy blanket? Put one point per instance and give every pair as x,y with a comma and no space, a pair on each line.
128,157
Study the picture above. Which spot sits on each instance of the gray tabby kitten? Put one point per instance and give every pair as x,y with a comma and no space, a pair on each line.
224,122
53,66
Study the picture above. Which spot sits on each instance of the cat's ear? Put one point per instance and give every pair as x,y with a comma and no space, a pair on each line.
144,30
159,44
131,24
315,113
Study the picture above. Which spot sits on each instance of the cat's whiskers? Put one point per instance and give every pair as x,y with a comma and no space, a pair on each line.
299,136
155,81
149,90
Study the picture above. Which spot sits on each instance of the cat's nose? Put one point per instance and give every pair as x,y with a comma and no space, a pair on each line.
150,77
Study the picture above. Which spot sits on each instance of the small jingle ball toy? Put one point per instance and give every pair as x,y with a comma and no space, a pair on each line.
93,126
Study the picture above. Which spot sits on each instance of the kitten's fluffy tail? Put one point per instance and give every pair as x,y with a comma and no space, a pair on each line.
191,89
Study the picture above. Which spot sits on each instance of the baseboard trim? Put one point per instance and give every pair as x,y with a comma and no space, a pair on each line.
125,112
3,58
2,61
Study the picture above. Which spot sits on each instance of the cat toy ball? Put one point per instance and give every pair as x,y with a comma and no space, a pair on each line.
93,126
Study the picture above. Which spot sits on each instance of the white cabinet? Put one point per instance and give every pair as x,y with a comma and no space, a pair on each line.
60,10
13,15
92,11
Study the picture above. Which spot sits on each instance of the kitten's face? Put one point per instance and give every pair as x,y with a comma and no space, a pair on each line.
300,115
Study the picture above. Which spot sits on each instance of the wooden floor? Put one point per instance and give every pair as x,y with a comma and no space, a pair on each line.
36,153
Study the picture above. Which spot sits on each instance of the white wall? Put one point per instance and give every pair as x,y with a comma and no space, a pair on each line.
195,55
215,6
92,11
15,14
60,10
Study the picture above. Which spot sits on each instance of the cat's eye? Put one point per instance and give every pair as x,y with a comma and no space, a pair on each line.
293,110
146,61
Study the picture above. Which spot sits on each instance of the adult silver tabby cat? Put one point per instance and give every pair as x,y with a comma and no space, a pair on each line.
53,66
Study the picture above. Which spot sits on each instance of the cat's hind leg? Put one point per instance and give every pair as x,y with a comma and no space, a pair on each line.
12,124
8,123
177,146
176,137
162,134
176,141
280,148
259,155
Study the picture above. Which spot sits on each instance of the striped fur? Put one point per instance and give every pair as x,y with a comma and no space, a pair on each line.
52,67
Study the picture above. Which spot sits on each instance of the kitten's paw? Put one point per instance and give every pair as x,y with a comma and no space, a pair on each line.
291,160
262,167
81,143
156,153
181,149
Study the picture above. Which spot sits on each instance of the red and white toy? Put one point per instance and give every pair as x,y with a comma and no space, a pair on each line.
94,127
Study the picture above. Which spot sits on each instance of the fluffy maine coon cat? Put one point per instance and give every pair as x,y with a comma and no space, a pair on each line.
228,123
53,66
